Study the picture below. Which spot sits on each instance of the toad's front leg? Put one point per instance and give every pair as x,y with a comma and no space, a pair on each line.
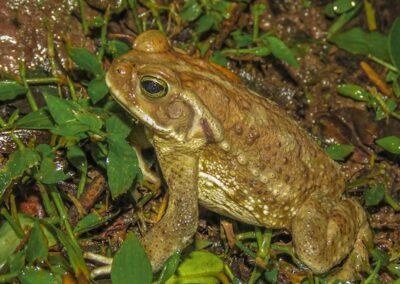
177,227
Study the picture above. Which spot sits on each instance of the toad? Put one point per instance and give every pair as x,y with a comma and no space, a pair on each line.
236,153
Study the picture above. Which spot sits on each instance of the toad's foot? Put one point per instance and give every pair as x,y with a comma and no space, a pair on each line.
325,231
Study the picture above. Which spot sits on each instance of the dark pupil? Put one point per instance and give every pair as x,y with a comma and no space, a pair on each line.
152,87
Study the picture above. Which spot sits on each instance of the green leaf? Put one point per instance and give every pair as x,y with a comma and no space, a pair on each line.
122,165
281,51
37,248
199,267
223,7
91,221
380,255
258,9
241,39
9,241
117,48
204,24
339,152
77,158
343,20
86,60
73,128
73,250
390,144
190,11
374,195
62,111
357,41
394,43
271,276
353,91
328,10
35,275
17,262
218,58
97,89
116,126
169,268
91,120
39,119
49,173
9,90
130,264
341,6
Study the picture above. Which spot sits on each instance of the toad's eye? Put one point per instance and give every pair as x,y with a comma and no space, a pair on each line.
153,87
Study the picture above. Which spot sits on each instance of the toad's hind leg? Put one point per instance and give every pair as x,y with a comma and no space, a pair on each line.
325,232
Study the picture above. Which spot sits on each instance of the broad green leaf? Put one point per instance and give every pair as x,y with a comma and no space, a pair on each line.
73,128
116,126
97,89
37,248
77,158
169,268
204,24
339,152
5,182
343,20
117,48
390,144
199,267
353,91
341,6
328,10
9,90
223,7
49,173
36,120
130,264
93,121
35,275
86,60
91,221
374,195
357,41
271,276
281,51
9,241
122,165
218,58
190,11
394,43
62,111
16,262
241,39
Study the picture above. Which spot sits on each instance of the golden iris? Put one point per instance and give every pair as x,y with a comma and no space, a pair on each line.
153,87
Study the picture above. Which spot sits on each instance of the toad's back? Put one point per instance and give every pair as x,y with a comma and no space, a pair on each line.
267,165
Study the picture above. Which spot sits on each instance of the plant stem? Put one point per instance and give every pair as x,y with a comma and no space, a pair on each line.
17,229
62,211
103,35
134,7
383,63
84,23
29,96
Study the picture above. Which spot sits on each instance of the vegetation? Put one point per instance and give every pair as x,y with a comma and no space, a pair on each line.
91,133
